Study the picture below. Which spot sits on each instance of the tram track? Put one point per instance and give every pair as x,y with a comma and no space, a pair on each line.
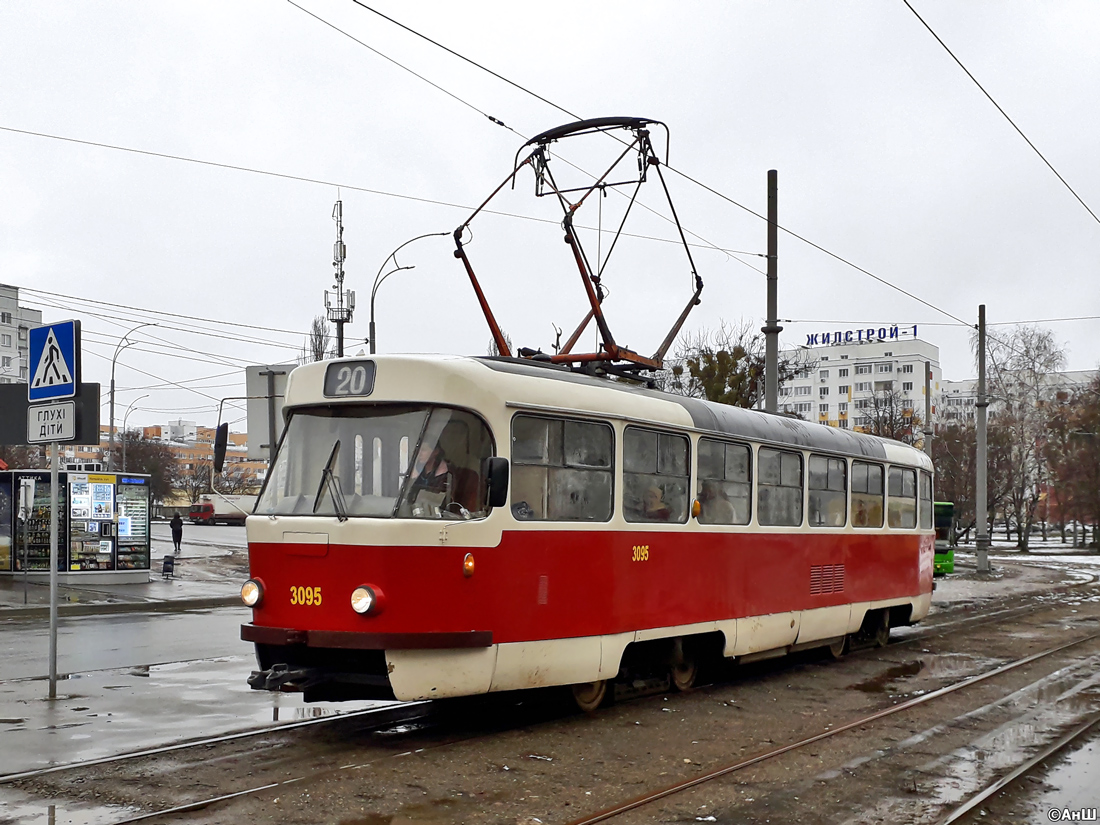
425,721
725,770
313,778
1023,770
422,713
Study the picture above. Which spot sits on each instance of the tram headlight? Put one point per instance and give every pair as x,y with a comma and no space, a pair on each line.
252,592
367,600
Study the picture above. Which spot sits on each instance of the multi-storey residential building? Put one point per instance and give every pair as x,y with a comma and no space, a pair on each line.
840,379
960,397
15,321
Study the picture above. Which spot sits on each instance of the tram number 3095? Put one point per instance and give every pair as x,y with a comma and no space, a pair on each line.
641,552
306,596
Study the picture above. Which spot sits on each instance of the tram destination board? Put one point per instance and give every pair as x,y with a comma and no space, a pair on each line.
349,379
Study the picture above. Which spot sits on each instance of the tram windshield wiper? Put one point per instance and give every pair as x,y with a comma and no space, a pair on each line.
331,482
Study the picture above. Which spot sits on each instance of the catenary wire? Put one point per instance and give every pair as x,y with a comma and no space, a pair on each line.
706,245
349,186
682,174
1011,122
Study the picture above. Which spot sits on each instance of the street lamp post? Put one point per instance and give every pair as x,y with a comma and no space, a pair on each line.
122,344
379,278
124,417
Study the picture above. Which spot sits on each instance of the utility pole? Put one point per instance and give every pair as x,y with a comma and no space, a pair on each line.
928,408
772,329
342,304
980,505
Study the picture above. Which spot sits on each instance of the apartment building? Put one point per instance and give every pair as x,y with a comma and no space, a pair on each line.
15,321
842,375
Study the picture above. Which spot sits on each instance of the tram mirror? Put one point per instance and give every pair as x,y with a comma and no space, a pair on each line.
221,441
496,479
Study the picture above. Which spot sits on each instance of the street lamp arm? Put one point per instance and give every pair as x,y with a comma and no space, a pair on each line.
379,278
379,282
123,342
394,254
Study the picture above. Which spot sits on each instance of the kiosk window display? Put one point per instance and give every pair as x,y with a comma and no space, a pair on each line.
31,550
105,518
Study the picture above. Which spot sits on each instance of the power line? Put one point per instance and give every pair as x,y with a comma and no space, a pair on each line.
1012,123
352,187
466,59
940,323
684,175
497,121
114,305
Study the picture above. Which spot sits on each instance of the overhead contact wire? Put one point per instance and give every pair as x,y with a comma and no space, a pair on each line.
1011,122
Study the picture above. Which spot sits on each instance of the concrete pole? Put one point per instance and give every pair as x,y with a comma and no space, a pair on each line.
928,408
772,329
980,506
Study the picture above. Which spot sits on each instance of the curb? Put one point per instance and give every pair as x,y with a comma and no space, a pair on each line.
170,606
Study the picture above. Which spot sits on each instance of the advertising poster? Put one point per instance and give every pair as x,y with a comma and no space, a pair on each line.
103,501
80,497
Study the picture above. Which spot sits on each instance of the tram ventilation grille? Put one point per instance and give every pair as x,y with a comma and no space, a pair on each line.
826,578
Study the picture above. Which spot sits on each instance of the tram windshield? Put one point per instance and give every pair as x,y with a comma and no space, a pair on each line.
380,461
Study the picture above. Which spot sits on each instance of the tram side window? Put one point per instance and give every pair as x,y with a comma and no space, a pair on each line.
828,496
902,511
780,488
655,476
725,482
561,469
866,494
925,501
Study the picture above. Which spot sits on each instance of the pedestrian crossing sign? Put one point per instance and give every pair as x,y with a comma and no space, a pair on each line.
54,361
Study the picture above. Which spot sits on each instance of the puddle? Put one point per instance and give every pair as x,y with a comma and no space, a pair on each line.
437,811
934,666
27,810
883,683
1071,778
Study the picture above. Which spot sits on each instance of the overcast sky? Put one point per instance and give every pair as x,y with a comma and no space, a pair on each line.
888,155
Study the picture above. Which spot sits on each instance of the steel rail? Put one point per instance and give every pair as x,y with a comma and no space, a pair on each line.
389,715
425,714
679,787
1023,769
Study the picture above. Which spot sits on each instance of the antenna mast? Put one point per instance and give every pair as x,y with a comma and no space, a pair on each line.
341,304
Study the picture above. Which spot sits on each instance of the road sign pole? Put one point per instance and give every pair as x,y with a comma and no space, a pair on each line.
54,450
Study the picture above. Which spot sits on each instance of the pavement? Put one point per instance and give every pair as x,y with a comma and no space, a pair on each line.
209,573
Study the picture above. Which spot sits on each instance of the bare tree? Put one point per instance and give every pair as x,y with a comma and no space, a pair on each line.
195,483
1023,368
494,350
890,414
724,365
150,457
1073,455
236,480
318,344
21,457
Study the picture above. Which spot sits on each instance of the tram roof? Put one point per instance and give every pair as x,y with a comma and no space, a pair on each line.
722,418
705,416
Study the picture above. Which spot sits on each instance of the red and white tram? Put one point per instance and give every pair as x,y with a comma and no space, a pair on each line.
445,526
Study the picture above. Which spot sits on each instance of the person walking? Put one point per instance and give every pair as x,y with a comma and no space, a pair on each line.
177,533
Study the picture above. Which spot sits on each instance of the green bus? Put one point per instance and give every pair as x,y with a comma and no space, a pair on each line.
944,562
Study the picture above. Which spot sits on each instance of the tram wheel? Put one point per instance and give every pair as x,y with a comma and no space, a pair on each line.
882,632
684,674
590,695
838,650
